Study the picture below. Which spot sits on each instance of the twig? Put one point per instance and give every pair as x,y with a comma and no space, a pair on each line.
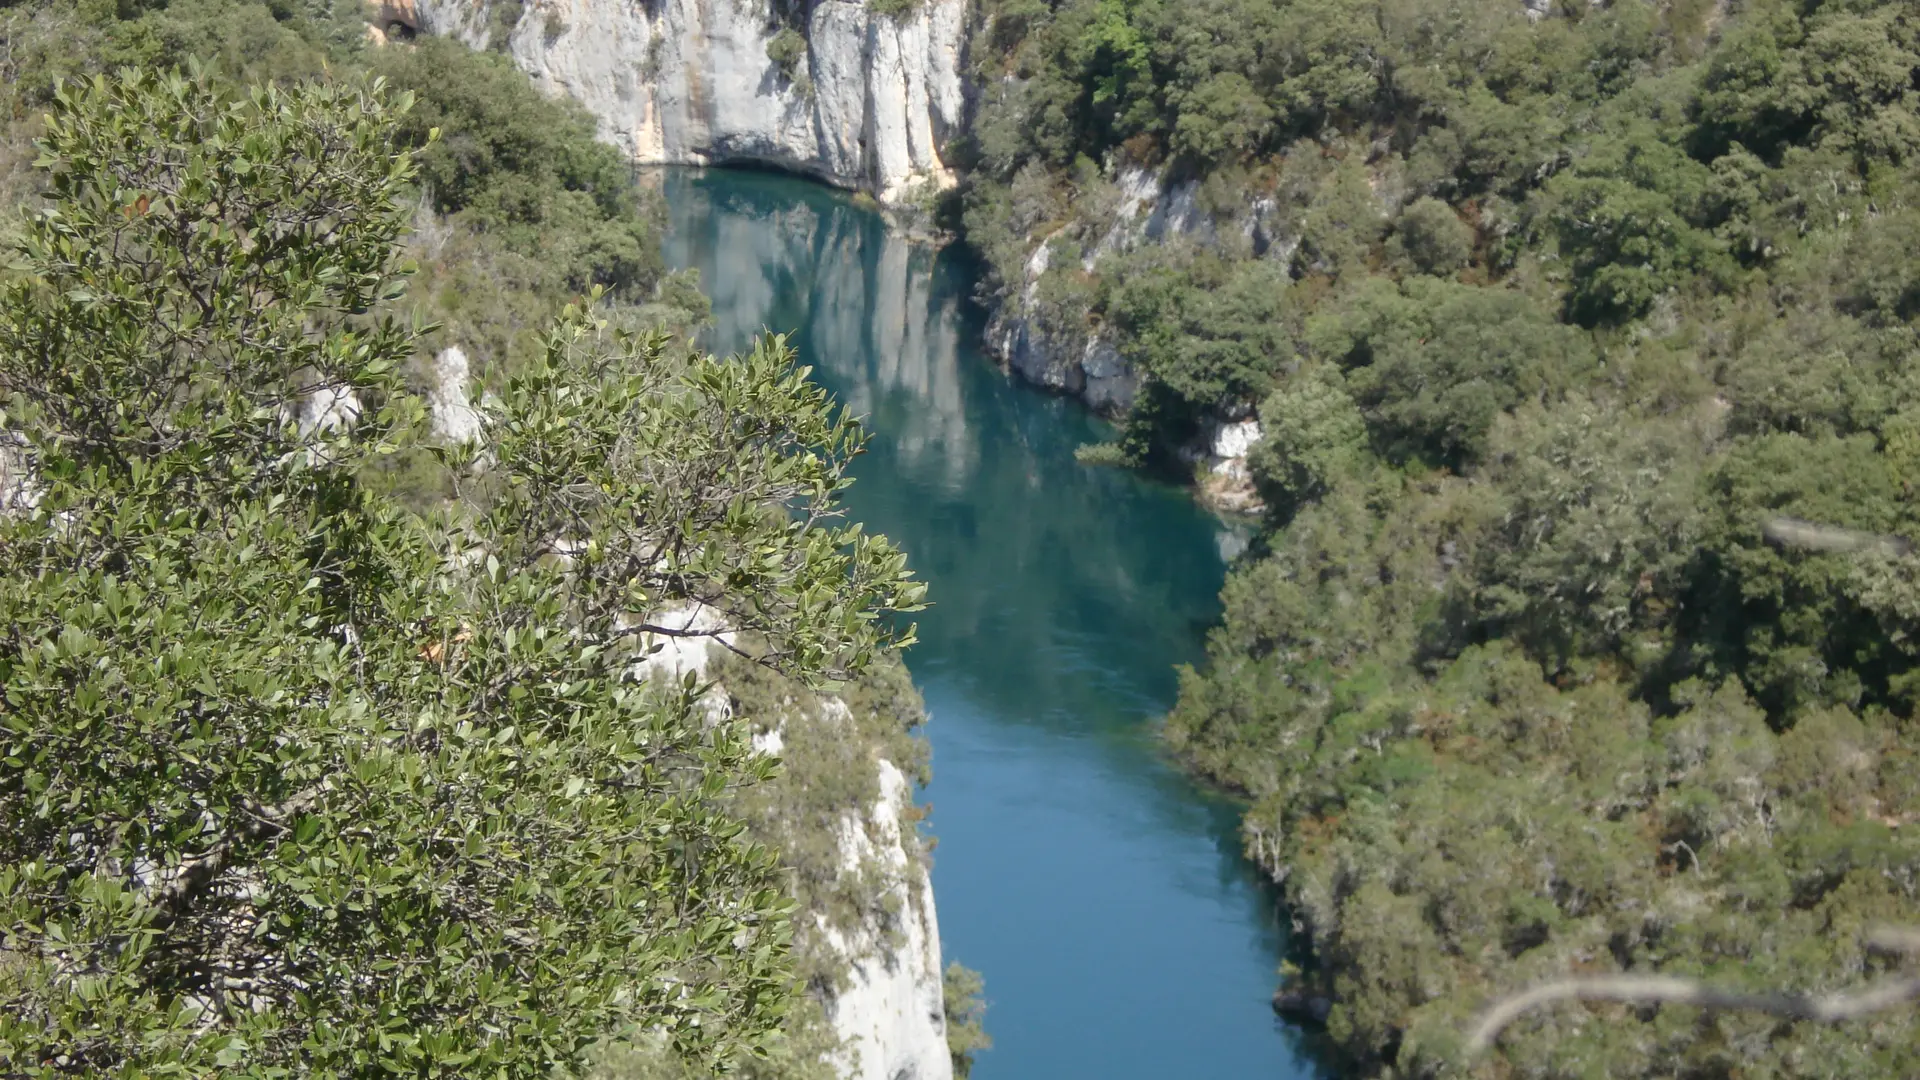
193,876
1794,533
1672,990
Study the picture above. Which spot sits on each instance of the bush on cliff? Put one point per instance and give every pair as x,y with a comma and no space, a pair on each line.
293,779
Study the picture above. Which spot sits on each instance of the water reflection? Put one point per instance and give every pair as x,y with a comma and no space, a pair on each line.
868,313
1057,556
1105,898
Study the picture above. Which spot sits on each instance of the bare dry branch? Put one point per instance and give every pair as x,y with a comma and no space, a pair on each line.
1794,533
1673,990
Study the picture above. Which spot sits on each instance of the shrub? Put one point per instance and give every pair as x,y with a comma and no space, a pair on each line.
788,51
297,781
1433,237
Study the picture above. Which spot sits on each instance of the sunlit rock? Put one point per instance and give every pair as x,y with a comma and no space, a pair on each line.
868,104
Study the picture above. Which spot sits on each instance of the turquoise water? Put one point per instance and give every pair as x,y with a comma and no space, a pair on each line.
1103,895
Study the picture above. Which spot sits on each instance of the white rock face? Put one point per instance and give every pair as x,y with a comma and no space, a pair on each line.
1227,484
1149,210
463,20
689,82
1234,440
450,400
693,629
1139,190
328,410
892,1017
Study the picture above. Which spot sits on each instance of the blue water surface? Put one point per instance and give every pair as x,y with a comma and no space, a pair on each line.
1102,894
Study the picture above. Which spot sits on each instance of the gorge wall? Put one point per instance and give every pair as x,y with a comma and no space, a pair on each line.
1056,346
842,814
853,97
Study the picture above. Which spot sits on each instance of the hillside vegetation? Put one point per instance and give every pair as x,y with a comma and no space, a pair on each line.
1581,635
515,210
289,696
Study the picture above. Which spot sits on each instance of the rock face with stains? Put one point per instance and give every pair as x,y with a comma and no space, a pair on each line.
855,98
891,1017
1150,208
889,1013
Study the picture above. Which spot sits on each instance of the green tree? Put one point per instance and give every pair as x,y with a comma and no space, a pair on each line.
1434,363
1204,330
513,163
291,779
1313,437
1433,237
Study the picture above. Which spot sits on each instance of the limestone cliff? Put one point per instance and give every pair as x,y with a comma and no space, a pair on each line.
868,937
891,1013
859,99
842,814
1141,206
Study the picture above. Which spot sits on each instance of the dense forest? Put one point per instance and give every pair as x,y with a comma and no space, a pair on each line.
229,766
1581,632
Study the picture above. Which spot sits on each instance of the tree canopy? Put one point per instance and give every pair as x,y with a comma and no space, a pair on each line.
1579,633
295,778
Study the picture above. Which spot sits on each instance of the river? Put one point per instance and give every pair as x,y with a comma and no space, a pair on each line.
1102,894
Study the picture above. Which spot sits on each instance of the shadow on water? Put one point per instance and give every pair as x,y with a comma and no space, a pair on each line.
1103,894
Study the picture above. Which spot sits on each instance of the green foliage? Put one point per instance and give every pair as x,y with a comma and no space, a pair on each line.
1433,238
268,735
525,211
788,51
1343,222
1108,454
1619,164
519,206
523,169
172,284
1487,830
1315,436
966,1017
830,748
1208,331
1839,78
1557,322
1433,363
1632,216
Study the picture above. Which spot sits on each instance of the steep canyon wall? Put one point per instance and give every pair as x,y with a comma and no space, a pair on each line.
857,98
863,100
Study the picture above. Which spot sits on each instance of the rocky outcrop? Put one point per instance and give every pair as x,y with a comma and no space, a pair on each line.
1065,359
1148,209
1063,355
1225,483
876,926
450,408
891,1016
858,99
